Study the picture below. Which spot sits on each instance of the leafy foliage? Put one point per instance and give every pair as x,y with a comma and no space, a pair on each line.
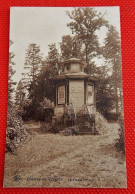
20,97
50,68
83,44
43,89
70,47
105,97
101,124
112,54
85,23
16,132
120,142
53,61
11,83
32,66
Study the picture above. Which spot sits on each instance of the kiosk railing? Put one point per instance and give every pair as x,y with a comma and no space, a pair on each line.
69,114
69,110
90,109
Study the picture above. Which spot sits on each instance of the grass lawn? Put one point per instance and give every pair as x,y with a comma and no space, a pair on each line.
53,160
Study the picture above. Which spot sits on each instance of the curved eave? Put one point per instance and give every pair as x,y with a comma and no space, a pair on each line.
62,77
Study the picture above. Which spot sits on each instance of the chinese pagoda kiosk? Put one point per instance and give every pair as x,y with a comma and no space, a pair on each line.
75,97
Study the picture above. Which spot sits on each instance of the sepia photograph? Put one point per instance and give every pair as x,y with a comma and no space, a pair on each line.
65,115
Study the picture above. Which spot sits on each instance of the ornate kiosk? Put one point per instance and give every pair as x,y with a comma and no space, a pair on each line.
74,93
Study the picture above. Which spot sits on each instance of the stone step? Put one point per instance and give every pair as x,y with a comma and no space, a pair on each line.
83,123
84,133
82,130
81,120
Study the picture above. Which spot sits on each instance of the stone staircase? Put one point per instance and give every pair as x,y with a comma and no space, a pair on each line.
84,123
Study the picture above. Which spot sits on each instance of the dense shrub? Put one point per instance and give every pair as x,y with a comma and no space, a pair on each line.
39,114
101,124
120,142
16,132
28,112
39,111
43,114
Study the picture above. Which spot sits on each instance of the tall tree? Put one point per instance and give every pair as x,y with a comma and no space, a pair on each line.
85,22
104,94
52,61
32,66
11,83
19,96
112,53
50,67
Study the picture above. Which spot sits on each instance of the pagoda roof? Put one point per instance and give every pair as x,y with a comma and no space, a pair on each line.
78,75
74,60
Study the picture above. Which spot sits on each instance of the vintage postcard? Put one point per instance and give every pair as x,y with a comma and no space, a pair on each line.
65,122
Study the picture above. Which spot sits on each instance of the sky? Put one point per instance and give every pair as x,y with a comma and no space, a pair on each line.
46,25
